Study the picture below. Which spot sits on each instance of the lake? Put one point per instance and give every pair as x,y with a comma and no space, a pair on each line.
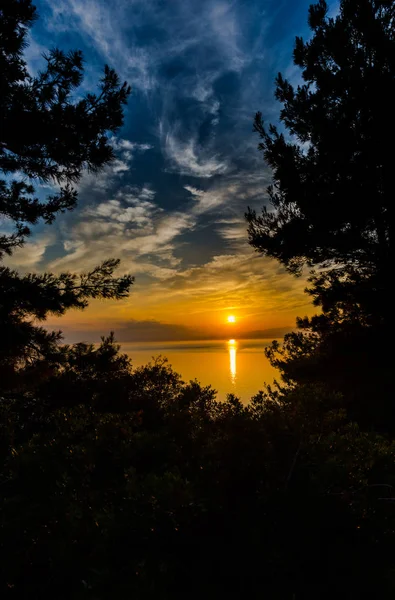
230,366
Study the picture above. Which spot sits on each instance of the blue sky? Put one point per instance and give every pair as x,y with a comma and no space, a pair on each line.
172,204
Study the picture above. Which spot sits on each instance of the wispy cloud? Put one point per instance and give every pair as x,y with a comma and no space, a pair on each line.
244,281
205,200
234,192
128,146
233,229
130,226
102,23
34,55
112,174
190,158
32,253
183,26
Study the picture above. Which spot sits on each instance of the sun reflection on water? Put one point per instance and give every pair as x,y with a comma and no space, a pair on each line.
232,360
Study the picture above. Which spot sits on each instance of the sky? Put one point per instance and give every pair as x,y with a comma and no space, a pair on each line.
171,206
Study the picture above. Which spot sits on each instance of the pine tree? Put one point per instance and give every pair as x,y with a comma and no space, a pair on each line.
47,135
332,204
332,164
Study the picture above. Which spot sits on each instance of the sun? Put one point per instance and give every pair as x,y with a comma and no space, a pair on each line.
231,319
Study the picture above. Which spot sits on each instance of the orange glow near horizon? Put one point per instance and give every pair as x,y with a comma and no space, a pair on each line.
203,305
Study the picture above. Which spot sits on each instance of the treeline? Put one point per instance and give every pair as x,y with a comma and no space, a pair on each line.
122,482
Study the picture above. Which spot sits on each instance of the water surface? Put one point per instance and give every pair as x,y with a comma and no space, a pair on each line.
230,366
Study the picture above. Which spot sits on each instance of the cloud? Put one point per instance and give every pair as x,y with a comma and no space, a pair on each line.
31,254
233,229
226,200
138,215
102,24
173,52
113,174
34,55
149,239
190,158
130,226
114,30
118,166
128,146
134,330
205,200
225,26
242,280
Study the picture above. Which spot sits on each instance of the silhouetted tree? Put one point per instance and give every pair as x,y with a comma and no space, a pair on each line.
47,135
121,481
332,171
331,202
28,299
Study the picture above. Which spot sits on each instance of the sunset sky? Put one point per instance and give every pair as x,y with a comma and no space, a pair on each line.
172,204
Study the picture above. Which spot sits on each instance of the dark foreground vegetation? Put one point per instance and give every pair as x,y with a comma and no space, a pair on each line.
128,483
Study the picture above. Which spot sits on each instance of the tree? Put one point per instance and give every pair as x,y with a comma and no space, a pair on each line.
332,203
47,134
332,172
131,483
30,298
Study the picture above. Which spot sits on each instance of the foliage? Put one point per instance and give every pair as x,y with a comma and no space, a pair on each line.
49,133
121,481
332,183
331,204
34,297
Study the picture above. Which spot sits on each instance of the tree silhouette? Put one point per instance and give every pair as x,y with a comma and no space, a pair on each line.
47,135
331,204
332,170
121,481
